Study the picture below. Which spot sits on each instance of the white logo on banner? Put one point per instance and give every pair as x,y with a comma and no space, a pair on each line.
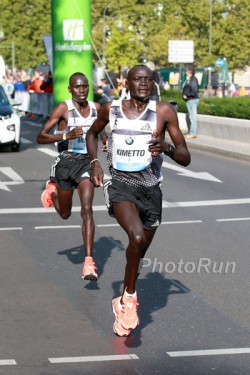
73,30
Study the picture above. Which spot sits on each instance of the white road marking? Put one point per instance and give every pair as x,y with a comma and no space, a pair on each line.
49,152
9,172
7,362
14,228
41,210
24,140
162,223
12,175
187,173
182,222
165,204
220,202
111,225
234,219
93,358
192,353
58,227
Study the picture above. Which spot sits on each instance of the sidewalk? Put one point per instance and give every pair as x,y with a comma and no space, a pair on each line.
217,144
233,149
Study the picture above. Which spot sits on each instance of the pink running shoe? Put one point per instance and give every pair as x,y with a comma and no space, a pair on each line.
117,327
88,272
129,318
46,197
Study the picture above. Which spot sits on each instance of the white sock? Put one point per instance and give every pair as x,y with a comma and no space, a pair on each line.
130,295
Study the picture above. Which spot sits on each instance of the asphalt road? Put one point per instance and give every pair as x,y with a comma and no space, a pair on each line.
193,290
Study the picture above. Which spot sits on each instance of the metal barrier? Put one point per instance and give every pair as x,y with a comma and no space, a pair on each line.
32,102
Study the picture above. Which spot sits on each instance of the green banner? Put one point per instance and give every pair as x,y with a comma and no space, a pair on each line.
71,43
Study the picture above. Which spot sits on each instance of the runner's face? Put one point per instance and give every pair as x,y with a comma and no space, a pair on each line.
140,83
79,88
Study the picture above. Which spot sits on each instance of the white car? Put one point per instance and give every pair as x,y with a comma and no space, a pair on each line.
10,124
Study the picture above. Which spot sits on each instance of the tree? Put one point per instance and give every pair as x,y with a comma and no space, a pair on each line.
24,22
235,30
147,26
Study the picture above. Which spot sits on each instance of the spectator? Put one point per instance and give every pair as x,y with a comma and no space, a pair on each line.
232,89
18,84
27,82
47,85
124,91
104,90
190,94
36,83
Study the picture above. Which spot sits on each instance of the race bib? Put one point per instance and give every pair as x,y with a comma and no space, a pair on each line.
79,144
130,152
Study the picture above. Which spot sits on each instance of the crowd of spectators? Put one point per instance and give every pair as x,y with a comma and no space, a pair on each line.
37,82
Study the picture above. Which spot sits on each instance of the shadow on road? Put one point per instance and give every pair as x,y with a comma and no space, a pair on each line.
153,292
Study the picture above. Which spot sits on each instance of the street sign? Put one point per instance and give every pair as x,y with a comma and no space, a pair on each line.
181,51
219,62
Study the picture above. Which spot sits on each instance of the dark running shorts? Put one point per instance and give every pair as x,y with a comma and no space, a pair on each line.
69,172
147,199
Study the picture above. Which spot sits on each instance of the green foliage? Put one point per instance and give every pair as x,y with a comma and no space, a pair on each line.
147,26
25,22
236,107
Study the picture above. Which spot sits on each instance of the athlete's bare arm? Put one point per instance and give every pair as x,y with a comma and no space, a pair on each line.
58,115
92,144
167,120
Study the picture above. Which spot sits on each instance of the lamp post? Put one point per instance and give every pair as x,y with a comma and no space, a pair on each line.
210,26
209,69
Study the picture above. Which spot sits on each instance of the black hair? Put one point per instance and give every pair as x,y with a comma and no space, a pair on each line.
77,74
137,66
191,70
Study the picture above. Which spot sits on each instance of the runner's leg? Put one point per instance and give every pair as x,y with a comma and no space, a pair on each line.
127,215
86,194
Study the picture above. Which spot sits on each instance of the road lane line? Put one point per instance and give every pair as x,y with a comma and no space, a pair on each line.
194,353
13,176
220,202
234,219
13,228
38,210
58,227
41,227
7,362
94,358
181,222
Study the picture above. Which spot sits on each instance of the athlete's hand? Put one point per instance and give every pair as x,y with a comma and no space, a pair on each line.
97,174
77,132
155,145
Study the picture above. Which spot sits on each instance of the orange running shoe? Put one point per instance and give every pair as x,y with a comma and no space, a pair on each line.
46,195
88,272
129,318
117,327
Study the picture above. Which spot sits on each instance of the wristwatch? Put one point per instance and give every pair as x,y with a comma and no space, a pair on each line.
170,152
